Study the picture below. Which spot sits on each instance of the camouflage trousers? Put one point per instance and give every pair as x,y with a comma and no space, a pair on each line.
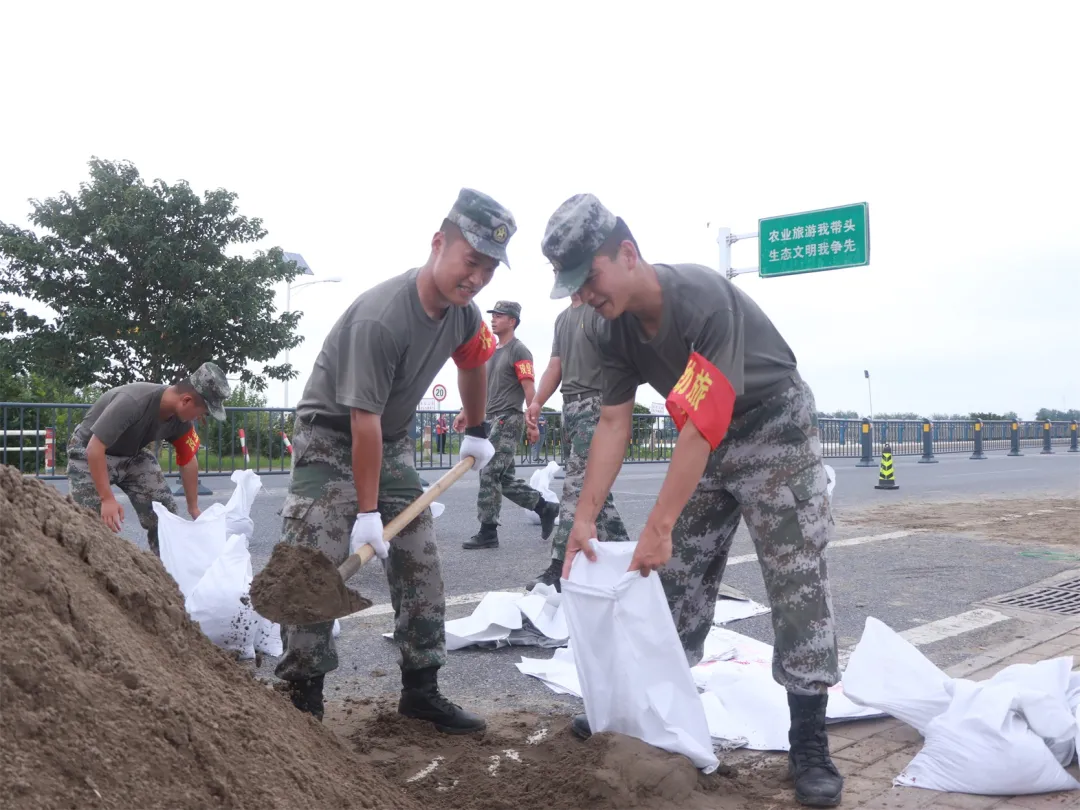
769,471
497,478
320,510
139,477
579,419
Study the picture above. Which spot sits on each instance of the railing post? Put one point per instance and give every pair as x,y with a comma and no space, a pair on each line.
1014,430
1073,448
50,449
927,443
978,454
866,460
1047,449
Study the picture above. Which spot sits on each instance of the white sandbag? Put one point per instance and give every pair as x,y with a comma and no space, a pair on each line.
1049,678
436,507
990,742
238,508
830,476
887,672
189,547
219,602
541,481
631,665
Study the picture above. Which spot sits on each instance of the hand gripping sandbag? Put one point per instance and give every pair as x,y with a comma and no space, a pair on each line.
632,668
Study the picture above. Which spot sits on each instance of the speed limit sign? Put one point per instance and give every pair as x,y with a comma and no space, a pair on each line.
439,392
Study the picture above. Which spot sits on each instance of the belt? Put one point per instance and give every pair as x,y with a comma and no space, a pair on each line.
581,396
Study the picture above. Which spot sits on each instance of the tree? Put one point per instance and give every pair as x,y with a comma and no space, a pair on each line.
1055,415
142,285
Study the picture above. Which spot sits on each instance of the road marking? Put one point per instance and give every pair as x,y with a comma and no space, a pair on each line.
849,541
471,598
988,472
942,629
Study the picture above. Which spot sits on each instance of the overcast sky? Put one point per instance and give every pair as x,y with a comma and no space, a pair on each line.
350,131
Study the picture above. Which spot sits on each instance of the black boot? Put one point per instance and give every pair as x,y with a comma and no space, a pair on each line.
547,512
580,726
552,575
817,782
487,537
307,696
422,700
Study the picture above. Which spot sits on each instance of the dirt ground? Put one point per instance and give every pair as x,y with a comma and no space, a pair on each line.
525,759
1022,521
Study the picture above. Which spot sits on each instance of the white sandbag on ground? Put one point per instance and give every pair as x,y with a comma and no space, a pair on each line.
631,665
1005,736
541,481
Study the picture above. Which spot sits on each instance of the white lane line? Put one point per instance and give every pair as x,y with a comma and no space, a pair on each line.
942,629
849,541
953,626
471,598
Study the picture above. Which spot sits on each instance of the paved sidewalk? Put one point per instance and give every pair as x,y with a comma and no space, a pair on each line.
870,753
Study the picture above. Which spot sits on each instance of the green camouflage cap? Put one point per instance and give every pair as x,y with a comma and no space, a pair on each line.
574,233
511,308
487,225
210,383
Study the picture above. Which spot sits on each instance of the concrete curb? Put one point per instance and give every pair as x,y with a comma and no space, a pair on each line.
1011,648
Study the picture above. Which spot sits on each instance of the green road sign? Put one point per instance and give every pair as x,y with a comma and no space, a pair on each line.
814,240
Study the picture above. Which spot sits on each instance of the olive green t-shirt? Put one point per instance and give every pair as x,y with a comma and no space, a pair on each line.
703,312
383,354
126,419
506,369
576,344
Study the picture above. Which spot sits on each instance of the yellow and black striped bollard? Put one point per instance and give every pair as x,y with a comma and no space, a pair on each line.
886,475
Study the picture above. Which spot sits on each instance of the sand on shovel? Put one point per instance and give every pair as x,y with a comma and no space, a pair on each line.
299,585
113,698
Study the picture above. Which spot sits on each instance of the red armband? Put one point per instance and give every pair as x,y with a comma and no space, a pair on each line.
477,351
705,397
187,447
524,369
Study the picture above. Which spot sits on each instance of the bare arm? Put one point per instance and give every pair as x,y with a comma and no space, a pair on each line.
530,391
549,382
366,457
688,461
606,454
189,477
472,385
99,470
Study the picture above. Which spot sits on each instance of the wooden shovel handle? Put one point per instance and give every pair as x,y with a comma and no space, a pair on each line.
356,561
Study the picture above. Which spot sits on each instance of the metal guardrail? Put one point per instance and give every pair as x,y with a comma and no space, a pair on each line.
34,438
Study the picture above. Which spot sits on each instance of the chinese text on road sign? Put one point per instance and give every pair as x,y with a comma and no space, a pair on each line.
814,240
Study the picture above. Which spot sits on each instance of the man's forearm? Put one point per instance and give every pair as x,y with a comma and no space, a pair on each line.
189,477
548,383
367,454
472,386
530,391
99,469
688,461
606,453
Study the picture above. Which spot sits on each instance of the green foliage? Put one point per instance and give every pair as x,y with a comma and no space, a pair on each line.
142,285
1055,415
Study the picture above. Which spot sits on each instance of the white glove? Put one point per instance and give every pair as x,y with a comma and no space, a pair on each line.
368,529
480,449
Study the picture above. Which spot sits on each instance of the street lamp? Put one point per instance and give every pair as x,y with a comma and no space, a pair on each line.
870,393
307,271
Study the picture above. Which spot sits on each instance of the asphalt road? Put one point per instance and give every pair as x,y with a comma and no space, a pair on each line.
905,582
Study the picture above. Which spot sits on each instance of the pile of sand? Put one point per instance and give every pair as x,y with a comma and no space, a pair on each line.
111,697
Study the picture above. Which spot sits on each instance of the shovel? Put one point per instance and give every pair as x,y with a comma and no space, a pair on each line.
299,584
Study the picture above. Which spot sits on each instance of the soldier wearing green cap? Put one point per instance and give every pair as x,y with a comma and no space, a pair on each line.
511,379
748,449
109,446
354,461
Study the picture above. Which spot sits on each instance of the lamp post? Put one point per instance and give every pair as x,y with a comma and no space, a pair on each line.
303,265
866,373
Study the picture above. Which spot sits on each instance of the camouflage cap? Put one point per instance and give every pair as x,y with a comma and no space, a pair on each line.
574,233
511,308
487,225
210,383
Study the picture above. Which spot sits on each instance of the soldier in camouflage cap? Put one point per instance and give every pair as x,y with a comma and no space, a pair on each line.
748,448
110,446
486,225
375,365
